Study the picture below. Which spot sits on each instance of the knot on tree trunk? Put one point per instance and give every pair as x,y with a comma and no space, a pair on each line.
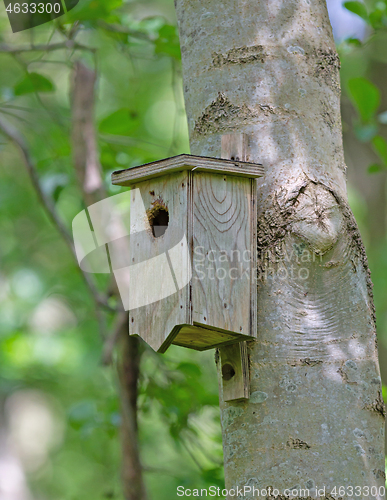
310,211
317,218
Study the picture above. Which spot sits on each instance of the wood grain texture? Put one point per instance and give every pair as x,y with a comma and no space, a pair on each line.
236,385
201,339
186,162
235,147
155,322
223,252
234,366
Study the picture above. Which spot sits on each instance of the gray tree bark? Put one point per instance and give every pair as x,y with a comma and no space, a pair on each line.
315,418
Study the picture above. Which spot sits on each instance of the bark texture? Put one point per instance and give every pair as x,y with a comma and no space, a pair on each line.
83,135
129,372
315,418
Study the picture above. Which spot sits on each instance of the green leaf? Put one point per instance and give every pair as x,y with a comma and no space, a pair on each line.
354,41
93,10
214,476
357,8
365,97
376,18
380,147
189,369
121,122
375,168
168,42
34,82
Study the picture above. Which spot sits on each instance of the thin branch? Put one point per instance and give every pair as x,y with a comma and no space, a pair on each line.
191,455
14,136
68,44
164,472
20,108
111,341
123,140
9,113
18,140
117,28
53,116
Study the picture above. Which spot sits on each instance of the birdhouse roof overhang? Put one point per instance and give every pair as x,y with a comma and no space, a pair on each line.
187,162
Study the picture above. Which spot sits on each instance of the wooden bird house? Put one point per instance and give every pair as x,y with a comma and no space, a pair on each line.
193,252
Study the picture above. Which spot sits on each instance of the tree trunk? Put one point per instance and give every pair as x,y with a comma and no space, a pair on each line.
129,371
315,417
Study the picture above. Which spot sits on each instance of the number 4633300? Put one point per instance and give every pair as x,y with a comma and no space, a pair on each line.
32,8
27,14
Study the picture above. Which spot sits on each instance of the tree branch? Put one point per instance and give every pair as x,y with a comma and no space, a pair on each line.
121,321
129,371
83,137
18,140
117,28
68,44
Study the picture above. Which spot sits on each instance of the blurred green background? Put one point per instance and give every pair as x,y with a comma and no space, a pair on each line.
59,405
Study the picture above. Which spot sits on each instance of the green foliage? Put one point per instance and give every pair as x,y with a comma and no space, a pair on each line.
375,15
380,147
120,122
50,350
375,168
168,41
91,11
49,344
357,8
365,96
33,82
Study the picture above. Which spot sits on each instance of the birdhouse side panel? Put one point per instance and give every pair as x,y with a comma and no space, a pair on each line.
224,252
160,260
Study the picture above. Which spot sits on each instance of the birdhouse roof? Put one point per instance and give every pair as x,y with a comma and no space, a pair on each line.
187,162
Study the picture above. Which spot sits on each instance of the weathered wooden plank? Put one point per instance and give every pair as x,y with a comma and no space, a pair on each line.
163,263
235,147
234,363
235,377
199,338
222,243
186,162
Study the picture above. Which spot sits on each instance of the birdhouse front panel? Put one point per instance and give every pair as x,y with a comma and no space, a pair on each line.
224,229
162,257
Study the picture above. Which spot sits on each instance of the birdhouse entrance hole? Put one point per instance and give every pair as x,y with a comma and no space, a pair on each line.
228,372
158,217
